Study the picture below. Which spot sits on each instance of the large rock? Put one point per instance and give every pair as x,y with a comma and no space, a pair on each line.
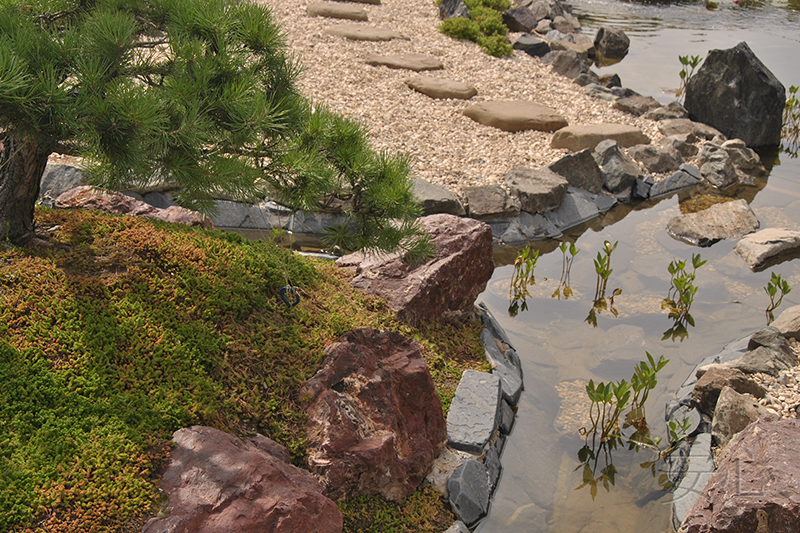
756,482
537,190
709,386
579,206
449,9
580,170
657,158
447,284
788,323
758,248
520,19
685,126
611,44
475,411
716,167
490,202
637,105
516,115
216,483
441,88
733,413
436,199
619,170
337,10
769,353
566,62
729,220
375,422
533,46
576,138
358,32
86,197
58,178
735,93
415,62
680,180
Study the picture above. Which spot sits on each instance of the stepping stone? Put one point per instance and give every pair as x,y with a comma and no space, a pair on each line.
475,411
336,10
373,2
516,115
730,220
759,247
415,62
357,32
441,88
576,138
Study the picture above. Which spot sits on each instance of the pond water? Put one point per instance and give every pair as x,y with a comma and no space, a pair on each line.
558,347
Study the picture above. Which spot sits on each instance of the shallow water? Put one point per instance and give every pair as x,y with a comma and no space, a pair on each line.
537,489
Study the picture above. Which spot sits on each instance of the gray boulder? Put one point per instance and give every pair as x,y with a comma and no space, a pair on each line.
681,143
580,170
676,182
490,201
619,170
579,206
716,166
595,90
520,19
531,45
58,178
685,126
469,491
735,93
566,62
657,158
729,220
788,323
436,199
537,190
611,44
671,110
637,105
758,248
733,413
449,9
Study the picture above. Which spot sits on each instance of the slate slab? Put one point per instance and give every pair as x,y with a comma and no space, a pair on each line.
415,62
699,471
579,206
580,137
505,364
441,88
357,32
676,182
475,411
516,115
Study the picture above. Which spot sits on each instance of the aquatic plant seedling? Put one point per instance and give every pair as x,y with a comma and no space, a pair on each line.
602,267
566,266
688,66
518,292
777,283
681,296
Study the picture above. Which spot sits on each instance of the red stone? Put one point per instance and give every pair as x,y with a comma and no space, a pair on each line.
446,285
219,484
375,422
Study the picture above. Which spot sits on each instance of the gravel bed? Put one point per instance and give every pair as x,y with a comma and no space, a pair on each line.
445,147
783,392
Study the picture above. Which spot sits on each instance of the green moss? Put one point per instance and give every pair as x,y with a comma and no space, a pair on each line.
422,512
139,328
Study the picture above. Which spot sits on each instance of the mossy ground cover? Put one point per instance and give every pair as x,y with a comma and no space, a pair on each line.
137,328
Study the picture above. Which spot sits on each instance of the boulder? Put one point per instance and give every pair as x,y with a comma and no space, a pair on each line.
441,88
415,62
544,26
671,110
505,364
580,170
770,337
735,93
561,24
216,483
579,206
527,227
449,9
375,422
58,178
86,197
756,484
576,138
337,10
682,144
620,172
474,412
610,80
436,199
637,105
595,90
537,190
531,45
733,413
358,32
642,186
587,78
469,491
788,323
729,220
657,158
490,202
708,387
579,46
447,284
675,182
746,161
758,248
566,62
769,353
520,19
685,126
611,44
716,166
516,115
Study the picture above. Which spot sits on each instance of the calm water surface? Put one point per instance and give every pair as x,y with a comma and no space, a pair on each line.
537,491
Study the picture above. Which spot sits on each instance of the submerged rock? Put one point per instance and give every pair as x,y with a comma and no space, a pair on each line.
758,248
729,220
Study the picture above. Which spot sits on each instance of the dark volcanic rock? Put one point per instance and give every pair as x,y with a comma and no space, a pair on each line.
217,483
447,284
735,93
375,422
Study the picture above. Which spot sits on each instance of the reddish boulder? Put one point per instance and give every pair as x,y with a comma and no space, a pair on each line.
447,284
757,484
218,484
707,389
86,197
375,422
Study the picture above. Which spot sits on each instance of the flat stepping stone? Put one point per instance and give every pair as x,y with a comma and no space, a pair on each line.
441,88
758,248
415,62
373,2
358,32
580,137
475,411
336,10
516,115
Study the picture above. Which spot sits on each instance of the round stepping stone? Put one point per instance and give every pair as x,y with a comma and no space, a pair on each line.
336,10
576,138
357,32
441,88
415,62
516,115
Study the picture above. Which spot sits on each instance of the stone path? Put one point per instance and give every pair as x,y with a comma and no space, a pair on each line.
336,10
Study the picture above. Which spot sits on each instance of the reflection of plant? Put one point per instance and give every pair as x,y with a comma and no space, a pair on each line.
608,402
566,266
791,123
602,267
680,297
522,277
776,284
688,65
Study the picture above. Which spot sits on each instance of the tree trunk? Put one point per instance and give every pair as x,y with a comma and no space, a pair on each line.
22,164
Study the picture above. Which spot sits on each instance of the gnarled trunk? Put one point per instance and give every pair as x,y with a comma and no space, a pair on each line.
22,164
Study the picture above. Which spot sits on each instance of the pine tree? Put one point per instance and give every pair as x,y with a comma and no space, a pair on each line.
197,93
